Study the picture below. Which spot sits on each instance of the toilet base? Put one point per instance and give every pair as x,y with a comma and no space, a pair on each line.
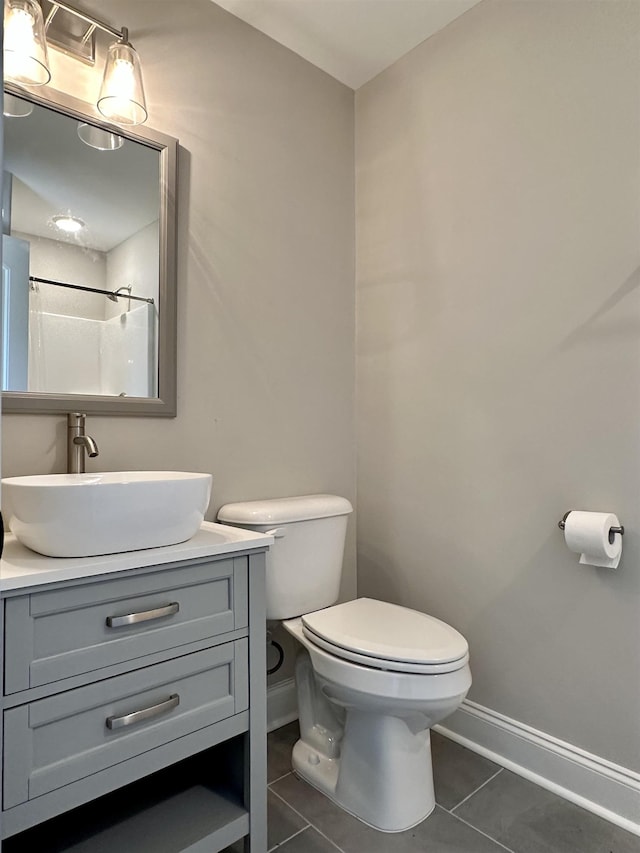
388,787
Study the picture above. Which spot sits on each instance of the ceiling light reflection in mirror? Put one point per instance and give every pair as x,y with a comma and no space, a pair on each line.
68,223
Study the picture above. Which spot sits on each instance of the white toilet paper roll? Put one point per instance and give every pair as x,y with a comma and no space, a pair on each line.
587,534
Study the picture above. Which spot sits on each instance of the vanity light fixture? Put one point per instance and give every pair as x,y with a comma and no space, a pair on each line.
121,99
67,223
26,60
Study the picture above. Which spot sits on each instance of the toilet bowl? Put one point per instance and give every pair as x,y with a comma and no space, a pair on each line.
371,677
374,757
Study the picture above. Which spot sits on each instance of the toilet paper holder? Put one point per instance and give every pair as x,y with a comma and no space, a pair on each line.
612,530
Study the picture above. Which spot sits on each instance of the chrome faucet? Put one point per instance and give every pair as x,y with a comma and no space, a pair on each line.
78,443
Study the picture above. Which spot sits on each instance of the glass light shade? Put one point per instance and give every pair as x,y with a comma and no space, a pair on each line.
15,107
25,47
98,138
121,98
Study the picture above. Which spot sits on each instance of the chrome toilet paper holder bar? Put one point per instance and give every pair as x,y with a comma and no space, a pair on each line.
612,530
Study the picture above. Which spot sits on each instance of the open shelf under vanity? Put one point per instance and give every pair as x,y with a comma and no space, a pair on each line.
194,805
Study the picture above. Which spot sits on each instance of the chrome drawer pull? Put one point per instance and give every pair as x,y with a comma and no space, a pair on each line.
145,714
144,616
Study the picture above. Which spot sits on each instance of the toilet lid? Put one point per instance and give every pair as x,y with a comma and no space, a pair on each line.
375,631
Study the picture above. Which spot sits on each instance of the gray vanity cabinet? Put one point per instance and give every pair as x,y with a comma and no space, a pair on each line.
134,711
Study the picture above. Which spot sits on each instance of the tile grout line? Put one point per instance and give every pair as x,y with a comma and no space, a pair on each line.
284,840
306,826
319,831
273,781
471,826
475,791
333,844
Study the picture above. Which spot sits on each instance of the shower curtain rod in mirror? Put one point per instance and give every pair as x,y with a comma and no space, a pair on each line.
113,295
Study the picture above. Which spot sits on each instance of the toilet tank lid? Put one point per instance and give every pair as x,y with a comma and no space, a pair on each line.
283,510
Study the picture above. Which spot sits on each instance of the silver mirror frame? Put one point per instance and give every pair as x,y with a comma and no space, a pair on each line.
164,405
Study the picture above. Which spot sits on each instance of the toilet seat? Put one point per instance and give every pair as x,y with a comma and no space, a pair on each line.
382,685
382,663
386,636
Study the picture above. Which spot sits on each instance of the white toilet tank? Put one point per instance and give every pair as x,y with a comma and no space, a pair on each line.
304,565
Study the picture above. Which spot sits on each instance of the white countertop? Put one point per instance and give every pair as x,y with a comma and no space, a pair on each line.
20,567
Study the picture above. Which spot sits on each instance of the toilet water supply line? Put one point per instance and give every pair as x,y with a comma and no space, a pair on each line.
271,642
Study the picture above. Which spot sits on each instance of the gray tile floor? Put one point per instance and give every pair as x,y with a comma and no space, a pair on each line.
481,808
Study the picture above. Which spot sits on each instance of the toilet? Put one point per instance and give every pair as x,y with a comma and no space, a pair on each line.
371,678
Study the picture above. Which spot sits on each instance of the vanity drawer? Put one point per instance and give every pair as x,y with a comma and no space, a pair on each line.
55,741
57,634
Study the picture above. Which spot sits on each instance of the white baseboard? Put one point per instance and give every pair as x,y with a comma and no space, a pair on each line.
282,704
598,785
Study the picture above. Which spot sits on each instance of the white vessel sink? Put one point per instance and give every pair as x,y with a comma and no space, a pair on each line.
83,515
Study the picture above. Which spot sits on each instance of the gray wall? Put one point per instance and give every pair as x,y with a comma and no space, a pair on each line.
265,272
498,208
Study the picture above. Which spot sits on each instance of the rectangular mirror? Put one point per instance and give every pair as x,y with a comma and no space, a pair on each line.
89,268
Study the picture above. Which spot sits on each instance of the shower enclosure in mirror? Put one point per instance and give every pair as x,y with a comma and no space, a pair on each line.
88,283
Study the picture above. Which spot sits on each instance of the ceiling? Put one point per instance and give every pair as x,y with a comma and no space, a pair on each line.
352,40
